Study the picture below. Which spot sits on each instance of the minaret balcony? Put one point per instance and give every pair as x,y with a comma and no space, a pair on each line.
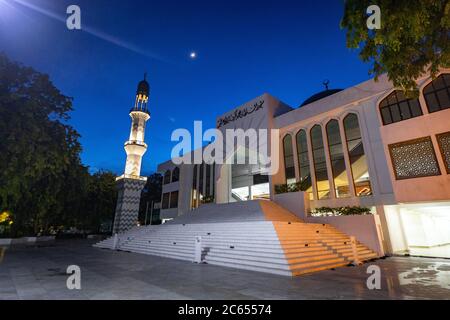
143,112
136,143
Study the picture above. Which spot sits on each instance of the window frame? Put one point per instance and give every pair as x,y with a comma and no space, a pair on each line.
170,201
303,152
435,91
409,142
165,207
389,106
175,175
285,157
441,150
330,156
315,164
167,177
347,140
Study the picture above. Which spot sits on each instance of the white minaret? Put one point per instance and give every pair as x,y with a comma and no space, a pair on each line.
135,147
130,184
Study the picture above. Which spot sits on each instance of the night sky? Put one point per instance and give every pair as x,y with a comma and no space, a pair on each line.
244,48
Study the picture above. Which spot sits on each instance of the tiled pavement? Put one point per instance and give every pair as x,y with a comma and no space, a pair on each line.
39,272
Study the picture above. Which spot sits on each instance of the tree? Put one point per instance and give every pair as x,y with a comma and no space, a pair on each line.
100,202
44,185
151,193
37,146
414,38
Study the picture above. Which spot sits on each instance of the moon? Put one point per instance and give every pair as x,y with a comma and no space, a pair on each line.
193,55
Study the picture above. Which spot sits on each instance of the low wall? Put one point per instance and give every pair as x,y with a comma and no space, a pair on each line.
25,240
296,202
167,214
365,228
5,242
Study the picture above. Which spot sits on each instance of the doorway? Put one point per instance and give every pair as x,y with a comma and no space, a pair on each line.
420,229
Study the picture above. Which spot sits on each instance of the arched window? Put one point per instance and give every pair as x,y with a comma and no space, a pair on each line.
176,174
289,168
397,107
303,162
358,159
208,181
167,177
437,93
194,196
337,160
200,181
320,163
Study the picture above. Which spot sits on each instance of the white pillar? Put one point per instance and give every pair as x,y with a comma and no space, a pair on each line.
198,250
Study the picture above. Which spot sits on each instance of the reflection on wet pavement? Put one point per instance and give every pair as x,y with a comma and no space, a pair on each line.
435,274
37,272
2,253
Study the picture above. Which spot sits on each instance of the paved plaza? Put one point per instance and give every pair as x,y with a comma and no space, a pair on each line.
39,272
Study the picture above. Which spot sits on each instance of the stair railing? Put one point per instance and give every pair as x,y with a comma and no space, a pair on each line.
356,261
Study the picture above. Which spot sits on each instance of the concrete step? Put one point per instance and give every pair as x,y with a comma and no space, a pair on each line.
315,264
251,244
251,268
300,272
243,261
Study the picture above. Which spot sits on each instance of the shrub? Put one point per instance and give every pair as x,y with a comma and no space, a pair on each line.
5,223
341,211
291,187
208,199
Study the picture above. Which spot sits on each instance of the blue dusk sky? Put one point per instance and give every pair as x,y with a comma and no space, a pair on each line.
244,48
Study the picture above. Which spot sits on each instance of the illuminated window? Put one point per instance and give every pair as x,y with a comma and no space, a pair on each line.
167,177
208,180
289,167
200,181
397,107
337,160
174,200
214,180
194,196
414,159
320,164
165,201
303,162
444,145
437,93
358,158
176,174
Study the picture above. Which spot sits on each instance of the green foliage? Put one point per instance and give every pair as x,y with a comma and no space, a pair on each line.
151,193
208,199
341,211
292,187
414,38
5,223
44,185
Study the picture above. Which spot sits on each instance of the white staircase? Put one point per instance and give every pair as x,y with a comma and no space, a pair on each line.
273,247
245,245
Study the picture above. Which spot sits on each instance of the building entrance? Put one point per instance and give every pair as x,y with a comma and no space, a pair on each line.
420,229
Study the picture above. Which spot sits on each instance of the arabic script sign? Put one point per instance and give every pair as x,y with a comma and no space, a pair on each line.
239,114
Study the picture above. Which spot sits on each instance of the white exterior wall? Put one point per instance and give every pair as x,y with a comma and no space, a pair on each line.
362,100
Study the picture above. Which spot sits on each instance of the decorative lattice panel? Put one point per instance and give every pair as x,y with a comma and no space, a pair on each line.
413,159
444,144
